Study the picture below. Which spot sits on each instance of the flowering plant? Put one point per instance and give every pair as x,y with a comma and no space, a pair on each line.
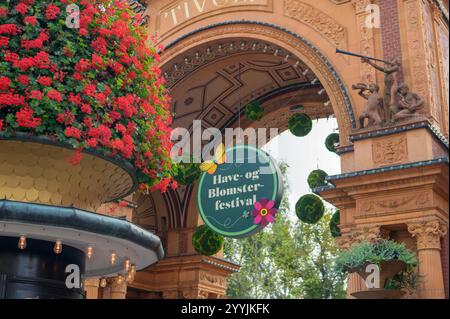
93,84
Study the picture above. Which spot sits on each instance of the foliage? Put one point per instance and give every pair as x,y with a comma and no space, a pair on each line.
186,173
288,260
408,280
331,142
374,253
317,178
334,224
254,111
300,124
310,209
93,87
206,241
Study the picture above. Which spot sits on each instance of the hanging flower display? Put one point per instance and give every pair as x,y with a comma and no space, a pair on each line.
206,241
300,124
334,224
96,87
332,142
310,209
254,111
264,212
317,178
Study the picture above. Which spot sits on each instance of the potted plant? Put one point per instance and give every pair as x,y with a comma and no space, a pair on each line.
395,263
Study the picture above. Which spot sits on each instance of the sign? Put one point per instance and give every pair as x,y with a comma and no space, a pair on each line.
226,199
184,10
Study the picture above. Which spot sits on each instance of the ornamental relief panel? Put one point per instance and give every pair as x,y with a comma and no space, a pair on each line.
394,203
390,151
212,280
318,20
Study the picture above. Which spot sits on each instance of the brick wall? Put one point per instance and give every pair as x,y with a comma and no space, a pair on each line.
445,264
390,30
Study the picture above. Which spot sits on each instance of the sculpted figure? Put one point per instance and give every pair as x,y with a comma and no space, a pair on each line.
408,103
374,106
391,70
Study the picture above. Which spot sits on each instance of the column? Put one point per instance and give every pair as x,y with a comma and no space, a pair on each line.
91,286
118,288
428,235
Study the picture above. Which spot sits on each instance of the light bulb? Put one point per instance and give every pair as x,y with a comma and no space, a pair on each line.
127,265
90,252
58,247
22,243
113,258
120,279
133,269
103,282
130,277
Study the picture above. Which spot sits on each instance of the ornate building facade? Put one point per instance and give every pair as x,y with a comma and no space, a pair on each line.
394,181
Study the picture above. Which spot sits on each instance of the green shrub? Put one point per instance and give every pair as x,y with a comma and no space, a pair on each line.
310,209
366,253
300,124
254,111
332,142
334,224
317,178
206,241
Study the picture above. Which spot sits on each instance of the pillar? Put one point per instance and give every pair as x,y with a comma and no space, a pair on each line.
91,286
428,236
118,288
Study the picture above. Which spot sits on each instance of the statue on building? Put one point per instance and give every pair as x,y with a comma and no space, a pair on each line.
391,79
408,103
374,107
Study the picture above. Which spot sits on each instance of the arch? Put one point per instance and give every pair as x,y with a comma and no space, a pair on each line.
291,42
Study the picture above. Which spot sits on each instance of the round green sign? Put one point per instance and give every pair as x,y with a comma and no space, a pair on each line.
243,195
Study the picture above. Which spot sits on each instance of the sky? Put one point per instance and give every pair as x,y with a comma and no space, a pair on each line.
303,155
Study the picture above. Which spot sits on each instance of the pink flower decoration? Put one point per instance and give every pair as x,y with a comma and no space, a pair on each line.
264,212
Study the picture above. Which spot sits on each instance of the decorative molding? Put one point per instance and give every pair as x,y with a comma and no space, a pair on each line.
390,151
317,20
394,203
428,233
213,280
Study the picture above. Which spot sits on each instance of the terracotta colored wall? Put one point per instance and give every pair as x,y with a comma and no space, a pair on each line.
390,29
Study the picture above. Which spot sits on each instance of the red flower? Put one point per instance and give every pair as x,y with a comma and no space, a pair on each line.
85,108
76,158
9,28
44,80
22,8
100,46
35,94
52,12
73,132
23,79
1,125
3,12
4,42
25,118
92,142
67,118
30,20
4,83
54,95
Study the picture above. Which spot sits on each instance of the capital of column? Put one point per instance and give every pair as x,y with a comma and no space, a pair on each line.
428,233
195,294
118,286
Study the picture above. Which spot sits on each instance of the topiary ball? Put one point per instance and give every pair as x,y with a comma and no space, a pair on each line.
254,111
310,209
206,241
187,174
300,124
332,142
334,224
317,178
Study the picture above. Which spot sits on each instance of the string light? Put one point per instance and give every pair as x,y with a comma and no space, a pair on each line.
103,282
90,252
120,279
58,247
22,243
133,269
127,265
113,258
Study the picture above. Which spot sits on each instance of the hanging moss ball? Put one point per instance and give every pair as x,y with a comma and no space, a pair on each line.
317,178
206,241
187,174
332,142
310,209
334,224
254,111
300,124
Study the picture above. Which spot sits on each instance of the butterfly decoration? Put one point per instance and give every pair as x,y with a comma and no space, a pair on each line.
220,158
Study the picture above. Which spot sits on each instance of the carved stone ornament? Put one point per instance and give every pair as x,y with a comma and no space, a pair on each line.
428,233
390,151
